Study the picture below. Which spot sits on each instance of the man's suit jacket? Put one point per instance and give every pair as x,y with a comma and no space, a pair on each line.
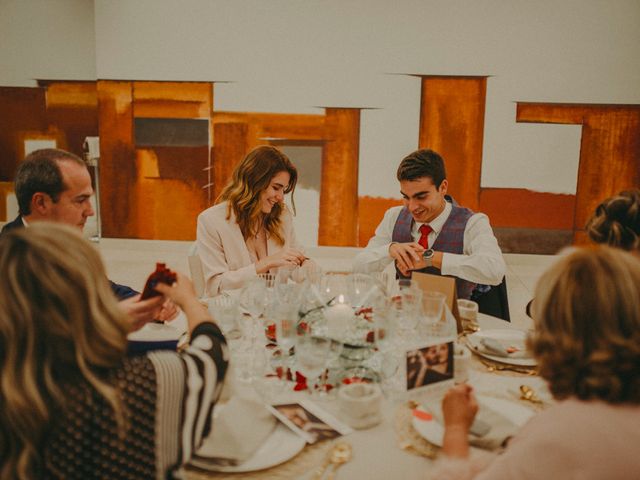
120,291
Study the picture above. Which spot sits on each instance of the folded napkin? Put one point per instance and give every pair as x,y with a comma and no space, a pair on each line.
494,347
500,428
239,428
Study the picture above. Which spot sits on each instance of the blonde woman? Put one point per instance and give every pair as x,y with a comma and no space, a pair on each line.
587,343
250,230
72,405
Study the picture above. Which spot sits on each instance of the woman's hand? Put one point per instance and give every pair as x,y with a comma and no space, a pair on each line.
141,311
286,256
184,295
181,292
459,408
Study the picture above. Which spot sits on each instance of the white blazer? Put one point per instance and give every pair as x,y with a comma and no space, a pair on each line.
225,258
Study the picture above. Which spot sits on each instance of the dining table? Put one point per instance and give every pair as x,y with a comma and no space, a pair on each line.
393,448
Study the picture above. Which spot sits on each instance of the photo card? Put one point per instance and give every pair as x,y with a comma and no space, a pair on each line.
309,421
430,366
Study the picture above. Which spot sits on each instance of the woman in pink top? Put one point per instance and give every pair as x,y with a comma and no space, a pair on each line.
250,229
587,343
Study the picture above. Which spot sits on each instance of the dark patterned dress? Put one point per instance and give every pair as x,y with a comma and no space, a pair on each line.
168,399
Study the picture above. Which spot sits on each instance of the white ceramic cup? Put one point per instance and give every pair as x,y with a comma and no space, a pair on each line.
360,404
468,310
461,363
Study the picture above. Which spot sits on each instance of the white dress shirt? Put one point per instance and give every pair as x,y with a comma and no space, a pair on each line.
481,260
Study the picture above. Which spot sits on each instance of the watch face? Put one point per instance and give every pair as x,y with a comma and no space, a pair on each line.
427,254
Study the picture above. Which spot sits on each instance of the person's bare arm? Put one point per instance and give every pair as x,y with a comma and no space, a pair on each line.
459,407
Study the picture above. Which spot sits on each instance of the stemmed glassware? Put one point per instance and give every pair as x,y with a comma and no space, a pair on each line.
433,309
312,355
224,310
253,299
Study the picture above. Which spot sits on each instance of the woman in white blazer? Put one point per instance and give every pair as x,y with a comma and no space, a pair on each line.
249,230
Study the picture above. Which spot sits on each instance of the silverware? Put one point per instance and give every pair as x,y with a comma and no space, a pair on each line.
322,468
341,453
498,368
529,394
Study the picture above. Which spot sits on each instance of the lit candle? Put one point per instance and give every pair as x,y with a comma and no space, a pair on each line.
338,318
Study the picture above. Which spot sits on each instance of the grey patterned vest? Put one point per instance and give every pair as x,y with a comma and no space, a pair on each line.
450,240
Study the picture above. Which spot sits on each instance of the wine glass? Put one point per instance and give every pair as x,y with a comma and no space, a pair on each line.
224,310
433,309
286,320
312,354
253,300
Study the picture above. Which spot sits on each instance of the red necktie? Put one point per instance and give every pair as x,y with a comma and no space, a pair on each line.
425,230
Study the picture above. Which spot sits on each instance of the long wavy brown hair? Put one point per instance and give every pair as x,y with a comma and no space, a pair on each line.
250,178
59,325
616,221
587,326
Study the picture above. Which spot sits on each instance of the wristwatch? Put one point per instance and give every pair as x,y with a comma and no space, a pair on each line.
427,255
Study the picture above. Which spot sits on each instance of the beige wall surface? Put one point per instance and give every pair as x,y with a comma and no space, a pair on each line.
291,56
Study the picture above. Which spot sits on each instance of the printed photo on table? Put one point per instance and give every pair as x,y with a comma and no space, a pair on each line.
429,365
305,423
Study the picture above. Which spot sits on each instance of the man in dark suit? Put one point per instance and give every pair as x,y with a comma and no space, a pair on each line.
55,185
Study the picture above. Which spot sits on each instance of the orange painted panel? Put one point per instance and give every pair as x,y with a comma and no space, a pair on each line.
230,142
22,109
170,205
370,213
288,126
118,199
72,94
5,189
609,149
518,207
339,188
173,99
452,124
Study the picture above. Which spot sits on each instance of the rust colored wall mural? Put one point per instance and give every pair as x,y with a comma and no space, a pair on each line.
166,154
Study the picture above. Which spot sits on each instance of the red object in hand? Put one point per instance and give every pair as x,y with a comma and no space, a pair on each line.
161,275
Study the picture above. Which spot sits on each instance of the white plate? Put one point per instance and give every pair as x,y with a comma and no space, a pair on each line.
280,446
433,431
517,337
155,332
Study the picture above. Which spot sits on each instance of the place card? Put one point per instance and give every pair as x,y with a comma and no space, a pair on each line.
439,283
309,421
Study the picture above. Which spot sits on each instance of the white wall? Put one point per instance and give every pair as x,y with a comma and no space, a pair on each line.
292,55
44,39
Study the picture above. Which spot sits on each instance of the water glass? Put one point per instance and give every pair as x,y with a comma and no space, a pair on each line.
225,311
433,310
405,309
312,355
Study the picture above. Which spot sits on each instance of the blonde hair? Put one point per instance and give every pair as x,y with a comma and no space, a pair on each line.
59,324
616,221
250,178
587,318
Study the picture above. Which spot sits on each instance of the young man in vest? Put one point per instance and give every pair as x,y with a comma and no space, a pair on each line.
431,233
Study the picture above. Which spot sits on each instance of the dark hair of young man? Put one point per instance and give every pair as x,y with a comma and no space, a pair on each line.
422,163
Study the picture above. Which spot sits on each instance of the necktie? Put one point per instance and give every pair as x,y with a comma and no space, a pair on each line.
425,230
